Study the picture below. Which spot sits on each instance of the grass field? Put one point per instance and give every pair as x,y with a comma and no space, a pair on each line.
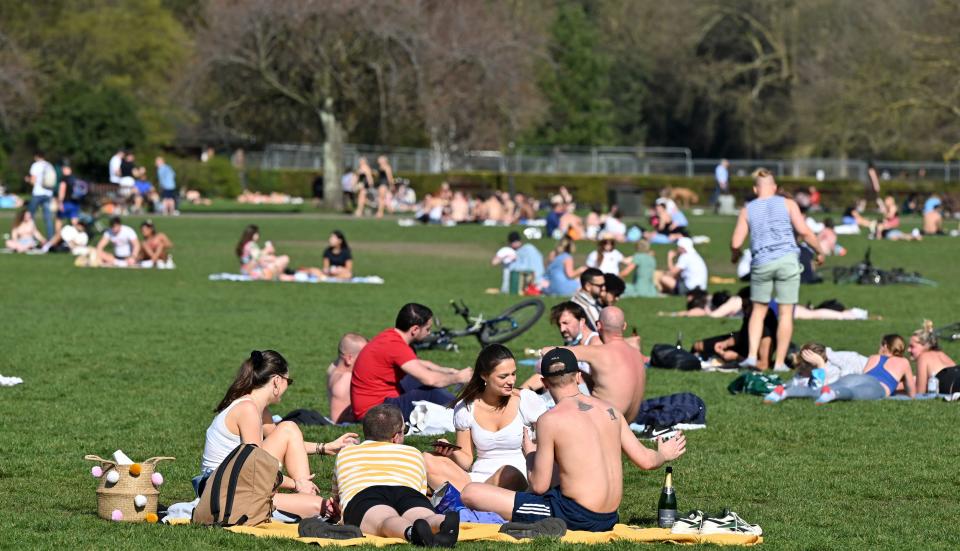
137,359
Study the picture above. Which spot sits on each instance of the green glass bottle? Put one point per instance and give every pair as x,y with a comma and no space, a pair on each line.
667,506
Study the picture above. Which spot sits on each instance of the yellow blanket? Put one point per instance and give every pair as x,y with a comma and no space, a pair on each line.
490,532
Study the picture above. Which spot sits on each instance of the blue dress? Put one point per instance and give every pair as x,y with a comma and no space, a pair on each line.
560,284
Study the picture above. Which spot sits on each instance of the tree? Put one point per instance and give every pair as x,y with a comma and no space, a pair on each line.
87,125
575,82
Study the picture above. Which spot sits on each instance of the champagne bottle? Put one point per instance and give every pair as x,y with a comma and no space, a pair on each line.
667,507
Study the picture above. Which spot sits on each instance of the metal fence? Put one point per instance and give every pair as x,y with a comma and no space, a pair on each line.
675,161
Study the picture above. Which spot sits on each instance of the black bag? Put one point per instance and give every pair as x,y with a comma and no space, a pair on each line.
949,379
668,356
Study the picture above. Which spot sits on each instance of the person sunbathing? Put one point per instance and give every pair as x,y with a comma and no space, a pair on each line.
380,485
243,417
931,361
155,251
933,216
257,262
583,436
337,259
339,375
24,234
816,365
490,416
889,227
723,305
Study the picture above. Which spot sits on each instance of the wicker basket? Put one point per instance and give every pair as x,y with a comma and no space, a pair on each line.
120,496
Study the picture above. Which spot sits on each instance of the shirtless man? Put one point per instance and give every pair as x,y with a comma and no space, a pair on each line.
617,367
584,436
339,375
570,318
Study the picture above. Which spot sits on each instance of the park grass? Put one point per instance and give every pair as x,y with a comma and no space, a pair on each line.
137,359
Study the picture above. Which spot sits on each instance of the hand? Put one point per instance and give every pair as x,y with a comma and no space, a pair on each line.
346,439
812,358
528,446
673,448
465,375
672,253
306,486
443,451
820,259
734,256
330,508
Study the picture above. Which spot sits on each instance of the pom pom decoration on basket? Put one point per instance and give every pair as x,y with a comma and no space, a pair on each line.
127,493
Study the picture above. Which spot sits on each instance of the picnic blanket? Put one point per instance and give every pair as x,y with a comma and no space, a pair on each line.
490,532
372,280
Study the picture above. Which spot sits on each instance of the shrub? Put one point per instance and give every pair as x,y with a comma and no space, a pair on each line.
215,178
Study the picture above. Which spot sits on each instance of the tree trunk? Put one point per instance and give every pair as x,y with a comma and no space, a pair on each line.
332,157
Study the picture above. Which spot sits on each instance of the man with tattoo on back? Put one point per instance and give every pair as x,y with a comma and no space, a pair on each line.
616,366
584,436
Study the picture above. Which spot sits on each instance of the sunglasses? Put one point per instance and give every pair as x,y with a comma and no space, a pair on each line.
286,378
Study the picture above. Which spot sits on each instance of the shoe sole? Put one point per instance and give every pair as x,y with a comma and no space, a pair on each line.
546,528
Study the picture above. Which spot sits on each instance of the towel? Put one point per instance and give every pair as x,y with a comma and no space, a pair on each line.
300,278
491,532
10,381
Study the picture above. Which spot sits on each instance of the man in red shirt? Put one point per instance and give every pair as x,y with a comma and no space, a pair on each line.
387,370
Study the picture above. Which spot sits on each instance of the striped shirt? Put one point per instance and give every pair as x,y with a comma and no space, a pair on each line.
771,232
373,463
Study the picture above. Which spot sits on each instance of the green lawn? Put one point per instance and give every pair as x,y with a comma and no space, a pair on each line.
137,359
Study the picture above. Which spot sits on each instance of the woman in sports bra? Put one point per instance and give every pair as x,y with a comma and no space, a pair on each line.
490,417
881,377
243,417
931,361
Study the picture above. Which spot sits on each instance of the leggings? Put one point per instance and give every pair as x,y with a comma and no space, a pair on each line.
859,387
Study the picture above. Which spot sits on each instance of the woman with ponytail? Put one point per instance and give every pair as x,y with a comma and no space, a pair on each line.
243,417
931,361
490,416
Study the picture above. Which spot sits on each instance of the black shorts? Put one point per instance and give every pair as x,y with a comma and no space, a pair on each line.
401,498
168,193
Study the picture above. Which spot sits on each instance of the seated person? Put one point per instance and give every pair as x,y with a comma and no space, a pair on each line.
613,228
339,375
593,222
460,208
24,234
387,370
889,227
571,225
687,273
733,347
666,228
571,320
828,239
588,297
815,366
583,436
256,262
641,272
613,288
381,485
563,279
925,349
74,236
126,246
155,251
505,256
490,417
606,258
337,259
243,417
933,216
528,259
882,374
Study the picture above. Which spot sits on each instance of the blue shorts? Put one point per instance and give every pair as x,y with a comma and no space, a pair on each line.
168,193
70,210
529,507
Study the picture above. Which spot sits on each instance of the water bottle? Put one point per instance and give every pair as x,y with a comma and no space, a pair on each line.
933,385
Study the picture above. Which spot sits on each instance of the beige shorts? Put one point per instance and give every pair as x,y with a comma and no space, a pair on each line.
778,280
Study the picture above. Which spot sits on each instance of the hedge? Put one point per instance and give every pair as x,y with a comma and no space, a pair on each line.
215,178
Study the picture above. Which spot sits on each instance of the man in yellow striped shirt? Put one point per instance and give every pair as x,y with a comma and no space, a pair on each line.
381,485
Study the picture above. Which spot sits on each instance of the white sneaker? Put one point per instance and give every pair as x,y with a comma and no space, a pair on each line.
688,524
782,368
729,523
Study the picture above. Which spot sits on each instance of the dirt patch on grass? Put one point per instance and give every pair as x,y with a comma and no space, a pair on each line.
465,251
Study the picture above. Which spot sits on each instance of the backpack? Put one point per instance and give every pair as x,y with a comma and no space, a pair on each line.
669,356
667,411
757,384
240,491
80,189
49,178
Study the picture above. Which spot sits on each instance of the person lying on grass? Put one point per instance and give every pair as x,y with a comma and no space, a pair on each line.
490,417
126,245
583,436
882,374
816,365
380,484
243,417
722,305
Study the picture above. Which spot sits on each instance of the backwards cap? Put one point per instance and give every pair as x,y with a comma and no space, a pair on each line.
558,356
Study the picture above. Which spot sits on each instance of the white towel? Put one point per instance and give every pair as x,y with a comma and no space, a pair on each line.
10,381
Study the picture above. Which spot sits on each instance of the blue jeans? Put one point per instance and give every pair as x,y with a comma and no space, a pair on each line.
412,390
44,201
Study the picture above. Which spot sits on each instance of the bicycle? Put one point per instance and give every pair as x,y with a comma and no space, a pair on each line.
864,273
510,324
948,332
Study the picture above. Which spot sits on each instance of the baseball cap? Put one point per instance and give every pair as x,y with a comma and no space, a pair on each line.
686,243
555,356
514,236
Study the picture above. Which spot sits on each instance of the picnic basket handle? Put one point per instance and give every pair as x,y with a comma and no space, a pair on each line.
155,460
102,461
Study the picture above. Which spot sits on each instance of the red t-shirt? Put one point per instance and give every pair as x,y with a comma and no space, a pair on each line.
377,373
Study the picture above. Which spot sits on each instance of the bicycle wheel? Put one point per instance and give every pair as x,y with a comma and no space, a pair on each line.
948,332
512,322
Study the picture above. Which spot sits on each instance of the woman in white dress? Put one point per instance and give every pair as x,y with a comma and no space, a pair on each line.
490,417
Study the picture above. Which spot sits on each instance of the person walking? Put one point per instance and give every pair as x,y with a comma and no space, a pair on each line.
43,178
722,176
773,223
167,179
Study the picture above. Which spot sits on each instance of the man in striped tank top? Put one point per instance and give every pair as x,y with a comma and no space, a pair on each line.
773,223
380,484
